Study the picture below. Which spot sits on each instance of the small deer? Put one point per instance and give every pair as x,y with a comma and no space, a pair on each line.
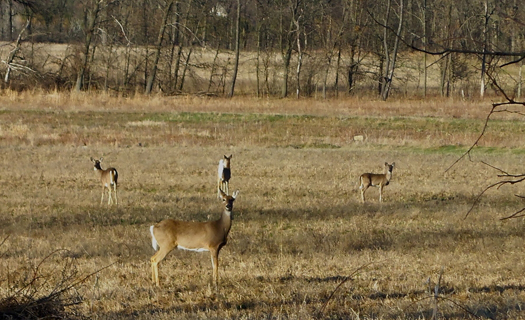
376,180
224,175
109,178
192,235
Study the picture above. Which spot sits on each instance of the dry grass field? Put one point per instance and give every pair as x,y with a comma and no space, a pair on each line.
302,246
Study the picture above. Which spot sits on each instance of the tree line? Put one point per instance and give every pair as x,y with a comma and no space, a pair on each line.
265,47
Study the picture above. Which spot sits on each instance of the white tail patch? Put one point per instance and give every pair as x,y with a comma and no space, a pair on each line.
154,243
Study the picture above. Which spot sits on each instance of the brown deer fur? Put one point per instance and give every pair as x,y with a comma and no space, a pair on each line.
190,235
108,178
376,180
224,175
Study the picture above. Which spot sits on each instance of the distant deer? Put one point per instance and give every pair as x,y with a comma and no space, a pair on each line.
191,235
108,178
376,180
224,175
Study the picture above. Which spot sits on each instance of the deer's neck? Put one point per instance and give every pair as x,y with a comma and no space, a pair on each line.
226,220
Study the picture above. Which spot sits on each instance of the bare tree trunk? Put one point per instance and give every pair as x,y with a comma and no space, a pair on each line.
327,71
299,57
127,54
91,60
180,41
449,75
485,44
385,62
213,67
266,63
337,66
391,65
187,62
151,79
286,64
444,76
237,49
10,19
109,63
352,69
381,78
13,53
286,47
258,62
520,80
425,48
446,60
92,20
145,33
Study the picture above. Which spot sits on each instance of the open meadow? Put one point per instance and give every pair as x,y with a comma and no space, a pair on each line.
302,245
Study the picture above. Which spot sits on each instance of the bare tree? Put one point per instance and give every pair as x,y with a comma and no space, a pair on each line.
486,19
506,178
286,34
158,47
297,22
237,49
390,57
91,16
13,53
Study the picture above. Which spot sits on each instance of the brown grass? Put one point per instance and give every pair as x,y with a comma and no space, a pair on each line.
299,228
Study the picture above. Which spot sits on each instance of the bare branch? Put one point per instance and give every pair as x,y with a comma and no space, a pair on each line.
485,126
346,279
498,185
123,31
444,51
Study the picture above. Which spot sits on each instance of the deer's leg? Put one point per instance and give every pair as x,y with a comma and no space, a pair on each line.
115,191
215,266
110,197
363,189
102,197
155,259
154,271
380,193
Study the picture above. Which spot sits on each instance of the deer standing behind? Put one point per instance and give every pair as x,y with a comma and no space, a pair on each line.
224,175
192,235
376,180
108,178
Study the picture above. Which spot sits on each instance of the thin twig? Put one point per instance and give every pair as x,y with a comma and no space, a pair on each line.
485,126
346,279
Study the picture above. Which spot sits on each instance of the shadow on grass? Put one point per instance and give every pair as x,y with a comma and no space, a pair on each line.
415,304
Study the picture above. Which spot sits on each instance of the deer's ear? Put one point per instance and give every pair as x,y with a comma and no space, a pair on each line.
93,160
393,164
386,163
235,194
100,159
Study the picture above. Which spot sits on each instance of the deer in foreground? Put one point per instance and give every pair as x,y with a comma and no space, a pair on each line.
109,178
192,235
224,175
376,180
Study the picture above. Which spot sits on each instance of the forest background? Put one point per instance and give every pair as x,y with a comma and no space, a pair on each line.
263,48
